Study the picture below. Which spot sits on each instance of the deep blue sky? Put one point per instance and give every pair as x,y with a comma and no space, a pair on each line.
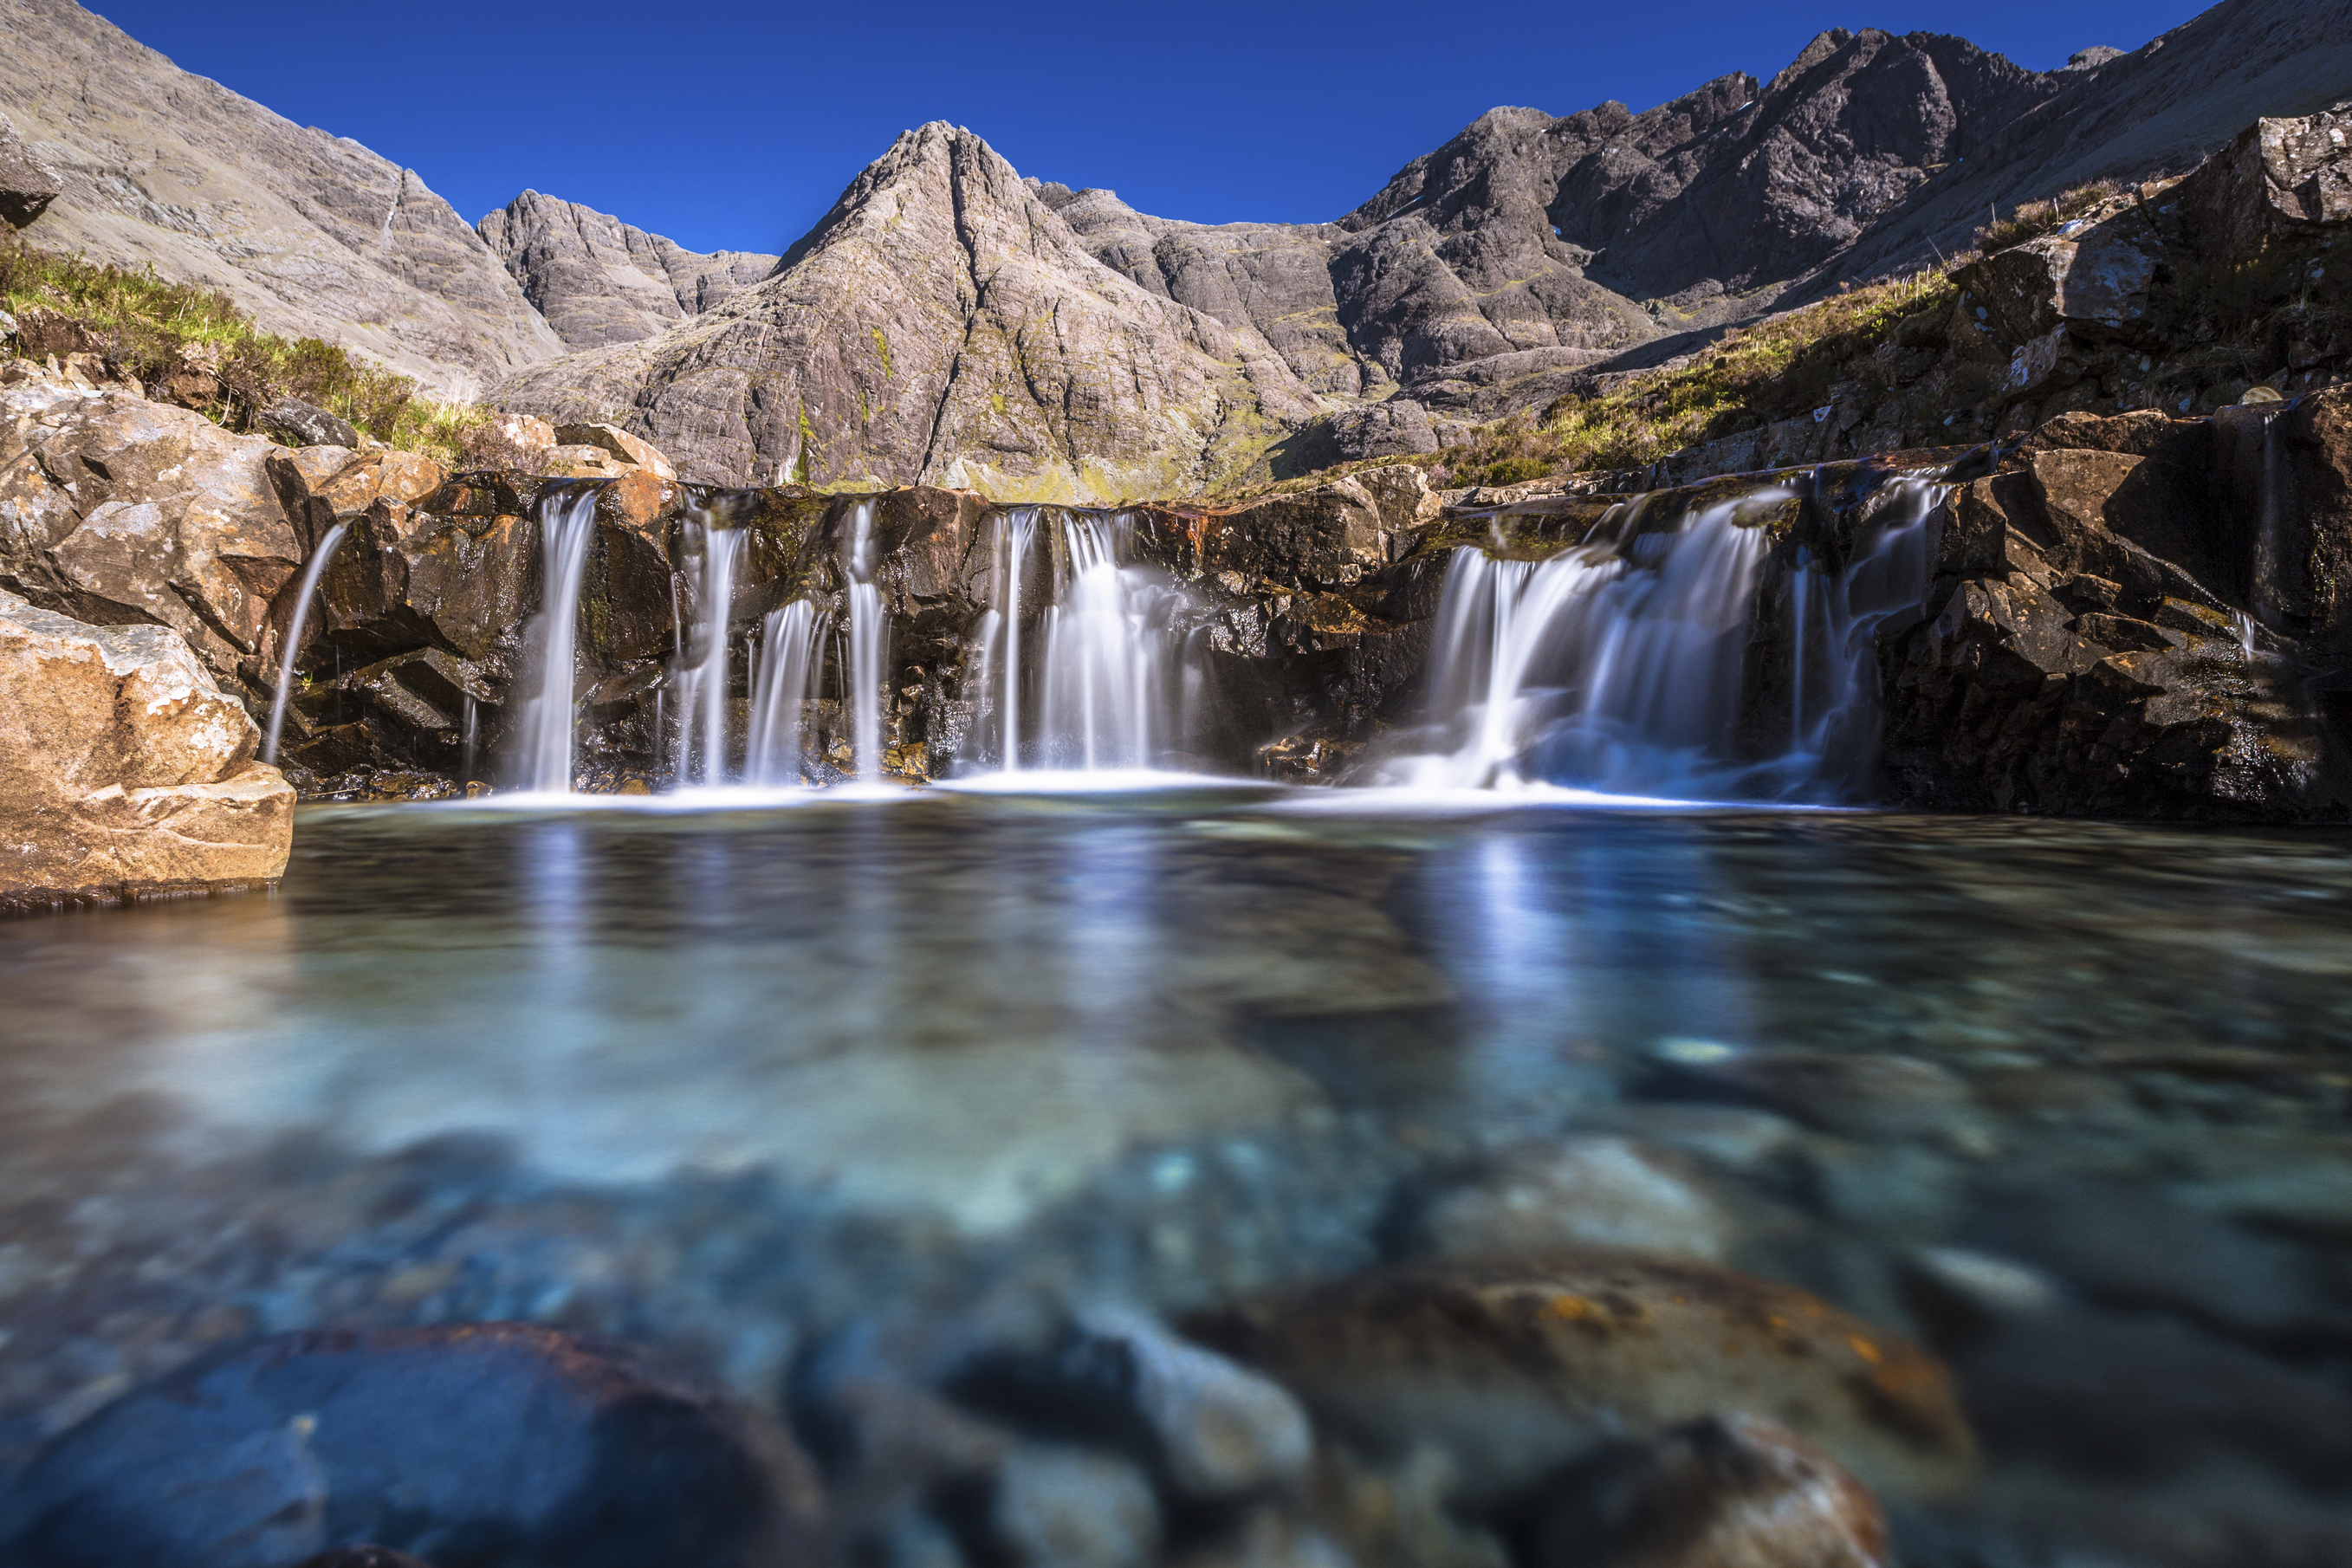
736,125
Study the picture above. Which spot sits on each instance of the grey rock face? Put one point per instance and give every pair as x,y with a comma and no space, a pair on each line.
314,235
300,424
599,281
943,323
27,186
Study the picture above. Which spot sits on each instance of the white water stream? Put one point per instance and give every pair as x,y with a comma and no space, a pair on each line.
1620,666
567,518
699,748
1089,677
310,574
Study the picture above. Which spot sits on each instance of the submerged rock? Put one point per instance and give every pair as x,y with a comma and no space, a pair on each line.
1588,1191
1726,1492
1515,1367
123,767
496,1444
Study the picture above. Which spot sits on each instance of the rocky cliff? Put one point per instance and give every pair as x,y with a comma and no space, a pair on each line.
598,280
944,324
1486,276
311,234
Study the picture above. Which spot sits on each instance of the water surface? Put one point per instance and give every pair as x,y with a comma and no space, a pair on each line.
728,1080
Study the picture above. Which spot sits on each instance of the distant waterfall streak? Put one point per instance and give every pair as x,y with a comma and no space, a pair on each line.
1621,665
311,572
869,644
1100,651
791,660
567,517
700,747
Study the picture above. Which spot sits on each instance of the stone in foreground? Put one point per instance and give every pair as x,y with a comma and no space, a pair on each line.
1515,1366
123,767
492,1445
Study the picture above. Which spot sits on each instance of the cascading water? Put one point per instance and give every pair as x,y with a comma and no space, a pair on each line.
1621,665
790,662
1099,652
310,574
700,753
869,643
567,518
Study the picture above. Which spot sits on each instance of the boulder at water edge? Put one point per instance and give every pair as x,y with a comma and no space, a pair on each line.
473,1445
123,767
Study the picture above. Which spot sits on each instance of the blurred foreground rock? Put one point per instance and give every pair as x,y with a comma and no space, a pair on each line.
485,1446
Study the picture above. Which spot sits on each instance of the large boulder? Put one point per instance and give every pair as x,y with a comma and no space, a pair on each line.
122,768
122,512
488,1445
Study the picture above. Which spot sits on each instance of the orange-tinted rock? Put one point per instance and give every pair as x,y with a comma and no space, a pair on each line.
1515,1366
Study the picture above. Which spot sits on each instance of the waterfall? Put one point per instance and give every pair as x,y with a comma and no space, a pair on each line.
1622,664
1099,652
869,643
310,574
700,746
567,519
788,666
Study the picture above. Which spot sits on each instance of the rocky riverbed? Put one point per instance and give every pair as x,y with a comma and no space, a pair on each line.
1214,1176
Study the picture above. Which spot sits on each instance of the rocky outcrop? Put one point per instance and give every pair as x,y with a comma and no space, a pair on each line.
311,234
2135,617
123,770
598,280
943,324
26,185
119,511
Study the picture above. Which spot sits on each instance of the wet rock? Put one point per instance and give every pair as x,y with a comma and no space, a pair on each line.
2108,1395
1956,1292
490,1444
323,484
1067,1508
1515,1367
123,767
1857,1095
1209,1428
2128,1248
1588,1191
300,423
1726,1492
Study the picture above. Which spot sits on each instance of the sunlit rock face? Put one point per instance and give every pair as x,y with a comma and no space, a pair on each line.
313,233
599,281
942,324
122,768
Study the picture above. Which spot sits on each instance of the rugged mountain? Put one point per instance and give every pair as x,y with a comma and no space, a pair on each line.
313,235
1492,274
942,323
2155,110
598,280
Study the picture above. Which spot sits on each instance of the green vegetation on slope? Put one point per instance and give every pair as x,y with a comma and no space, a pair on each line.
194,346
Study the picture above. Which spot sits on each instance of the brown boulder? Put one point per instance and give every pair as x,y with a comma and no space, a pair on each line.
123,768
1514,1367
618,444
128,510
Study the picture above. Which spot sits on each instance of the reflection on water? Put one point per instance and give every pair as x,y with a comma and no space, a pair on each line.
730,1080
